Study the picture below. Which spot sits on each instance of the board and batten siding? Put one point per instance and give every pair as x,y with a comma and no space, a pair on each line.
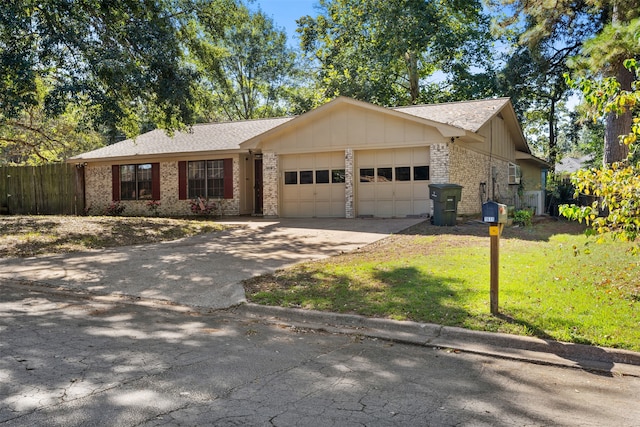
353,127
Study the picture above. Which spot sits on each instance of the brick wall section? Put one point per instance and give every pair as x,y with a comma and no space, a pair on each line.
98,193
349,183
439,164
97,188
270,184
469,168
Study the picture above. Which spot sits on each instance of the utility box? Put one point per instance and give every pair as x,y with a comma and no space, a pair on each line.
445,203
495,213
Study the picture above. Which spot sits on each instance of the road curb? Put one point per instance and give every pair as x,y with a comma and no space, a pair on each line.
604,360
535,350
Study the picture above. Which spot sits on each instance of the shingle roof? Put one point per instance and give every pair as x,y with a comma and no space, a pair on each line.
201,137
572,164
467,115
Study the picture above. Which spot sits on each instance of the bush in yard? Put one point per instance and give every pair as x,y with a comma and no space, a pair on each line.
115,208
201,206
522,217
153,206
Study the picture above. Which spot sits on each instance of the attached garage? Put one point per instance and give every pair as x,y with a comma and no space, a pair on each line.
393,183
344,159
313,185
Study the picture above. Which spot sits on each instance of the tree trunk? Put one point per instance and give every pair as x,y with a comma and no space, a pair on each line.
412,70
553,140
616,125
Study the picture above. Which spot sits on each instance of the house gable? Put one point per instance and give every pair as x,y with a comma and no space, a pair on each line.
350,125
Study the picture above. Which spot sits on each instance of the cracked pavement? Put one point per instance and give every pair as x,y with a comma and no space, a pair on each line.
66,359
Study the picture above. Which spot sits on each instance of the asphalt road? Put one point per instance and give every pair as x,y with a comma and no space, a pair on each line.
66,360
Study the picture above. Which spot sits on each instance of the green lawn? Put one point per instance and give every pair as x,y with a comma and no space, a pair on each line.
549,286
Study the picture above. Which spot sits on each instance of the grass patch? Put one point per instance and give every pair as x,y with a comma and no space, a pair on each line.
24,236
549,287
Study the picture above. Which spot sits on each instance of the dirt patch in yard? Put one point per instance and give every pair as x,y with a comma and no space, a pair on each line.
25,236
542,229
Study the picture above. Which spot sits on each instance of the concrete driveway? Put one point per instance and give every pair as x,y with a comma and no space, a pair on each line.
206,270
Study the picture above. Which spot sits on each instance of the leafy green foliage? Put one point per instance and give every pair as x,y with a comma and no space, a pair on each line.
246,65
616,186
384,51
522,217
33,138
119,58
592,36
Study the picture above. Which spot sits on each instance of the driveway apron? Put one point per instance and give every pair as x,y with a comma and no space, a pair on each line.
205,270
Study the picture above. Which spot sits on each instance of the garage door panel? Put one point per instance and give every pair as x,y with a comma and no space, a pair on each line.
421,207
385,190
395,198
313,199
404,206
338,210
385,208
323,209
323,192
404,191
367,192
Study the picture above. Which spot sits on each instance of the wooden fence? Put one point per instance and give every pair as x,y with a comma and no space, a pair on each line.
56,189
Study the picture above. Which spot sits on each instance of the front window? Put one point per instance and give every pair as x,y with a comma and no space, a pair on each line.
135,182
205,179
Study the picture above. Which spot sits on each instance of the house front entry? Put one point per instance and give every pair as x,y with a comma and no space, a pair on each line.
258,186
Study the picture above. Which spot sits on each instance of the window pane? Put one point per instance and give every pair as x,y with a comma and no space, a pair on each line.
337,176
128,182
128,173
306,177
421,173
196,181
403,173
290,178
144,181
366,175
322,177
384,175
215,187
197,170
215,169
215,178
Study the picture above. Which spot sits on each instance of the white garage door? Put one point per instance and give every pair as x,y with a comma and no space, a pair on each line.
393,183
313,185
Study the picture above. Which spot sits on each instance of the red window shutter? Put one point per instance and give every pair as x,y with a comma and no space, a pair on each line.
182,180
115,182
228,178
155,181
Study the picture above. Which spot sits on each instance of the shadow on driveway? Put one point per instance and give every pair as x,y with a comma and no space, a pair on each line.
205,270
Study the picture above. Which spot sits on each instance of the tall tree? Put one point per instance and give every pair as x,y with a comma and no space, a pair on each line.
32,137
246,64
533,78
112,56
604,32
382,51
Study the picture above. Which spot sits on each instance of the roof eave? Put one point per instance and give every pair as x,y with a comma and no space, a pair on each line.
520,155
142,157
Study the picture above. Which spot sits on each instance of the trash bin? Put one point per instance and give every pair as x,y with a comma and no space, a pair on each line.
445,203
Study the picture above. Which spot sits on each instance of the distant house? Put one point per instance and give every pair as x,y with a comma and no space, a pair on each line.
344,159
567,165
